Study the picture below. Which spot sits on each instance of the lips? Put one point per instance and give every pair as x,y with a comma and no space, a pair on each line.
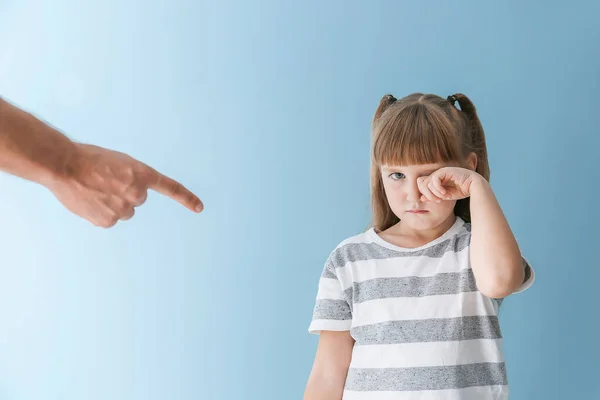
418,211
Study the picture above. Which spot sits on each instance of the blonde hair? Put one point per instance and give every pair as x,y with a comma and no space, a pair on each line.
423,129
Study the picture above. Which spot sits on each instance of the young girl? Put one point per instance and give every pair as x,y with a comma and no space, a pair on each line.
409,308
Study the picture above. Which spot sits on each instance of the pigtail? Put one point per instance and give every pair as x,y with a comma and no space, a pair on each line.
385,102
478,143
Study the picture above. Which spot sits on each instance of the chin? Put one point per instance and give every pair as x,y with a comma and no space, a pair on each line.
423,221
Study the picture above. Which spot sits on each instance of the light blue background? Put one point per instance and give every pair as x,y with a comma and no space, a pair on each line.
264,109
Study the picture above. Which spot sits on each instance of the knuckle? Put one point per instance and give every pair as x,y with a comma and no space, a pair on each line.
130,176
143,175
111,218
141,199
123,210
127,214
138,194
106,223
111,222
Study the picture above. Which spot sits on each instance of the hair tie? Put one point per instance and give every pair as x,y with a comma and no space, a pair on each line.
452,99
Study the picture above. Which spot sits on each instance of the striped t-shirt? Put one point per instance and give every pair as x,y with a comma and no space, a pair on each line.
422,330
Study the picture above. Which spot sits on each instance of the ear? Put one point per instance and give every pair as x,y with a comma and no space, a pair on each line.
472,161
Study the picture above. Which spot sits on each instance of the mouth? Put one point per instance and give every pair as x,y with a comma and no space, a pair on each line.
418,211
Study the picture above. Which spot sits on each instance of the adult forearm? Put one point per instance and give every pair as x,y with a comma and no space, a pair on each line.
30,148
98,184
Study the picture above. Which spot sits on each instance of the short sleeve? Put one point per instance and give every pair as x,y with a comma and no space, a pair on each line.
529,276
332,311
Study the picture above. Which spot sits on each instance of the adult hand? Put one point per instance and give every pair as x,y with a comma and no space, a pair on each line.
104,186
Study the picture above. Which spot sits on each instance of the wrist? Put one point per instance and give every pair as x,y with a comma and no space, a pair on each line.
57,161
30,148
478,184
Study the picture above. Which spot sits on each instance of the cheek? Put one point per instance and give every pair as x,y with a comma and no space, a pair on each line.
393,193
395,199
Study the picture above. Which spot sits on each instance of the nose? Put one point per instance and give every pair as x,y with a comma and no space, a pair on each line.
413,194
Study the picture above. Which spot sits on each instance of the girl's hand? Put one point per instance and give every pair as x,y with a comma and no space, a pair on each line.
448,183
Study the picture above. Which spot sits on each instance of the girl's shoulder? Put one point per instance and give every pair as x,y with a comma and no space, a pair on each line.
350,248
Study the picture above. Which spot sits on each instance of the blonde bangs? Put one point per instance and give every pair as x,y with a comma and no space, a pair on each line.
415,135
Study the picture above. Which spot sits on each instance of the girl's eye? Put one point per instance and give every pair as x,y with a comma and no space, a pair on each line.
396,175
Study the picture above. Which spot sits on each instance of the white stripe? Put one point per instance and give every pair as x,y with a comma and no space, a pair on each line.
329,288
495,392
415,308
329,325
407,355
359,238
399,267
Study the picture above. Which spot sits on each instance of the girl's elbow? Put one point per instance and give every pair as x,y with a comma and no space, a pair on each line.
500,287
496,292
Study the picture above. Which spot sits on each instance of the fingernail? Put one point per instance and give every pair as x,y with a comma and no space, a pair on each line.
199,208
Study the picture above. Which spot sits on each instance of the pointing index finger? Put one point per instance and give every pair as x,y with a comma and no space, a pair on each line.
175,190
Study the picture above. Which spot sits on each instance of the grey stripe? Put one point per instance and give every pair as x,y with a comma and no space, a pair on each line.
428,330
527,270
329,270
413,286
353,252
426,378
332,309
